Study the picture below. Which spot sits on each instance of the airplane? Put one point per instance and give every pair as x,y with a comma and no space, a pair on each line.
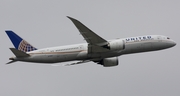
97,49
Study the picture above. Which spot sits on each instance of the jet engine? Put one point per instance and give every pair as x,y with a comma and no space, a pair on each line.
115,45
109,62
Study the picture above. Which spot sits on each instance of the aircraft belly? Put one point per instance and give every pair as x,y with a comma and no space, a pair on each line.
39,58
82,55
111,54
66,57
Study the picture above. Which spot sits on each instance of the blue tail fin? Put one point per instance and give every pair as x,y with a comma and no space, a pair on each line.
19,43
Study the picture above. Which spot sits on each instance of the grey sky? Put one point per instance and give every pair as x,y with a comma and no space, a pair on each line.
44,24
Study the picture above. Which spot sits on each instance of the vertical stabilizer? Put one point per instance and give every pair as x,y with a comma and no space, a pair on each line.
19,43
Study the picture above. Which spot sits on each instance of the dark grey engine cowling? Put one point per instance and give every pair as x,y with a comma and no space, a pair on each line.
109,62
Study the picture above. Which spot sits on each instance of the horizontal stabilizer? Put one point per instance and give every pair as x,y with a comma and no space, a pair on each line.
18,53
11,62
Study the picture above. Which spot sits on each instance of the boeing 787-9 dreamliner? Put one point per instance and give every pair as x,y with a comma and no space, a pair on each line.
97,49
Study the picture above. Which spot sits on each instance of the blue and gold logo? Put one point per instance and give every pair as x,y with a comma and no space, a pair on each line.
25,46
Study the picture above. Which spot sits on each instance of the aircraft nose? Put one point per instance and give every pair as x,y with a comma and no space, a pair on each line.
172,43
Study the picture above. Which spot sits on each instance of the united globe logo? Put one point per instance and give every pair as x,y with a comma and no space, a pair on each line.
25,46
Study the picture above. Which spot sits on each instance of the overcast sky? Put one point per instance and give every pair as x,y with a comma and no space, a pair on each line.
43,23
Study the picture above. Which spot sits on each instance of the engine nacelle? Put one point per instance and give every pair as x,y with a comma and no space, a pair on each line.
116,45
109,62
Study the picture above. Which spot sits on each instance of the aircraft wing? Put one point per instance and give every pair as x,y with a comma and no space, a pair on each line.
95,42
91,37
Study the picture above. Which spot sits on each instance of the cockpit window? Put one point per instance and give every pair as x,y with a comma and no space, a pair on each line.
168,38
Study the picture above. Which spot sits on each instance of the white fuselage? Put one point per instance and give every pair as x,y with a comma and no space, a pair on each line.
80,51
